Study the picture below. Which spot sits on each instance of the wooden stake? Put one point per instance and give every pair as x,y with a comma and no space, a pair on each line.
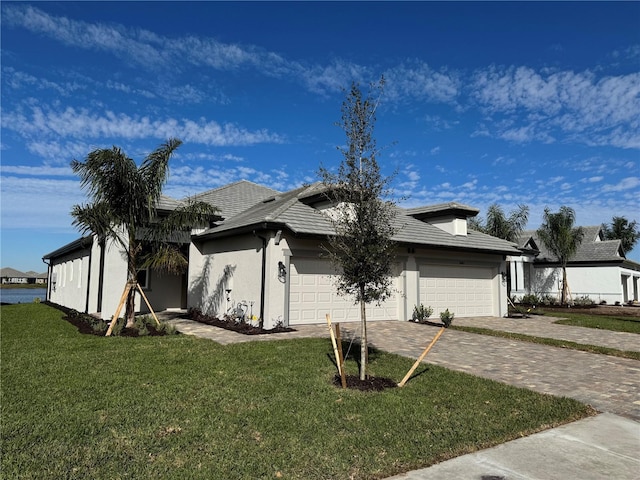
127,289
148,304
333,341
424,354
343,377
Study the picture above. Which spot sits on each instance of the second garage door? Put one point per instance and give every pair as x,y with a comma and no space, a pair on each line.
465,291
312,294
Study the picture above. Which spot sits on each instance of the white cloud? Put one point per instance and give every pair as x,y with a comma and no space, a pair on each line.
434,150
82,123
591,110
625,184
40,171
416,80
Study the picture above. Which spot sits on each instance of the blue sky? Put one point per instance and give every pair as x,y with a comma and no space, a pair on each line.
514,103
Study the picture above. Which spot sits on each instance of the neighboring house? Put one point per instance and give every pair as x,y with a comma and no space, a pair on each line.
598,270
11,275
265,253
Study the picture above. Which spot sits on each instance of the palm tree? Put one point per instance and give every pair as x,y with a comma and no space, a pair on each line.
501,226
562,239
623,230
123,208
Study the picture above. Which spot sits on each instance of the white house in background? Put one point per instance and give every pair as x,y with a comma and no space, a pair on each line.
599,270
265,252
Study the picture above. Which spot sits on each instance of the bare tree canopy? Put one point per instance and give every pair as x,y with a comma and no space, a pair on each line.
362,249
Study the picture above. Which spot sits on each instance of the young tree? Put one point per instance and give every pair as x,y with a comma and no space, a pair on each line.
562,239
123,208
362,248
501,226
623,230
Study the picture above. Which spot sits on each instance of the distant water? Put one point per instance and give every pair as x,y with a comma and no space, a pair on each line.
22,295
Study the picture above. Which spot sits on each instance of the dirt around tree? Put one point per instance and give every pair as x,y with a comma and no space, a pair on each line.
370,384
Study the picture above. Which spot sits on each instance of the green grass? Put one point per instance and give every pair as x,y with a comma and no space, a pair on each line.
176,407
603,322
553,342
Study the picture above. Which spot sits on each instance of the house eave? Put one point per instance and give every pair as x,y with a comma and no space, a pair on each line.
79,244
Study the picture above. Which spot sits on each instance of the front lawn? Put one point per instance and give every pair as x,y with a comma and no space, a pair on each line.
80,406
603,322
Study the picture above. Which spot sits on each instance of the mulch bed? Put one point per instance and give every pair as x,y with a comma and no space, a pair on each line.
370,384
85,328
233,325
80,321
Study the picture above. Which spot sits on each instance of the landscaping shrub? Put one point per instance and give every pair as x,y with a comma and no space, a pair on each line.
446,317
530,299
421,313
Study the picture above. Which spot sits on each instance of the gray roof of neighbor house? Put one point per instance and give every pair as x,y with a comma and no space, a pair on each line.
236,197
12,273
592,249
290,210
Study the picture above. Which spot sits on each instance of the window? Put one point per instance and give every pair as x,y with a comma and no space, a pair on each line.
143,278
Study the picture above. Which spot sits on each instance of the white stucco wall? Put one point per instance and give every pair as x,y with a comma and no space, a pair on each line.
599,283
115,279
71,273
208,282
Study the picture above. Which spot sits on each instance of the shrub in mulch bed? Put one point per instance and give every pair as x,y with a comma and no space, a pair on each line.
370,384
234,324
90,325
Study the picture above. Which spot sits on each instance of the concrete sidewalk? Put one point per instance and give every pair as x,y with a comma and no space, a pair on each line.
602,447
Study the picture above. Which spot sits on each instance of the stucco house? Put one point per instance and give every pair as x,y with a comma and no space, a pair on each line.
598,270
264,255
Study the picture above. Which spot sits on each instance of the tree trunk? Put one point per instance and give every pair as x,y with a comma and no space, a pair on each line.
565,288
364,348
130,312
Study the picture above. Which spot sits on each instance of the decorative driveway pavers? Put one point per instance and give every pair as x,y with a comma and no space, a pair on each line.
543,326
607,383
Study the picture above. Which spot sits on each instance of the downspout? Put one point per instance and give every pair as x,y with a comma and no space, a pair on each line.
86,305
264,274
48,279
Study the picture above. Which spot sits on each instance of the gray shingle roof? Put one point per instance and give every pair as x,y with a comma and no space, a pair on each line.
168,204
592,249
289,211
439,209
235,197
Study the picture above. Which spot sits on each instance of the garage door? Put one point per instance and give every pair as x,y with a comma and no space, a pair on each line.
312,294
465,291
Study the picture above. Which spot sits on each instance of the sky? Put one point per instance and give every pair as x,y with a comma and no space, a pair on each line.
533,104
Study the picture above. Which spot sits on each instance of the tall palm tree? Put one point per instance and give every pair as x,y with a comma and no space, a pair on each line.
562,239
123,208
499,225
623,230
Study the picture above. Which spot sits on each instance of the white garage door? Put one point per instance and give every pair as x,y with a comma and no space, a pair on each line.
312,294
465,291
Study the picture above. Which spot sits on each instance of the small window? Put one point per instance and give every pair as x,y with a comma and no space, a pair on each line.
143,278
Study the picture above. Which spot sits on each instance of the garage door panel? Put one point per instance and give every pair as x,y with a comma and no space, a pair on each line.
312,294
465,291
